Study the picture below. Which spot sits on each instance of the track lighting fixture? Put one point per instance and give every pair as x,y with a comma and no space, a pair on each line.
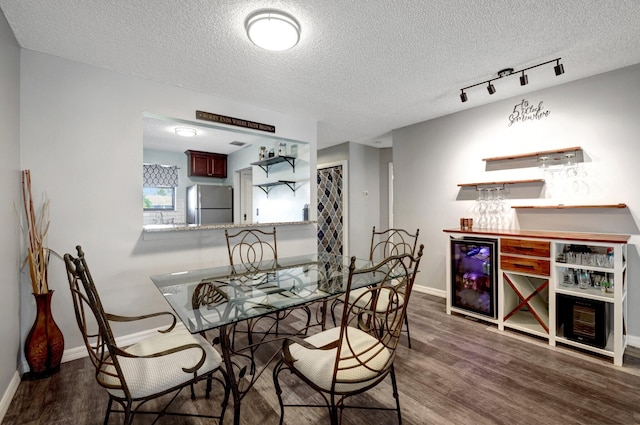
524,78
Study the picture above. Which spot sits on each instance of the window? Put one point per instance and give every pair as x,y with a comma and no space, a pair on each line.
158,198
159,188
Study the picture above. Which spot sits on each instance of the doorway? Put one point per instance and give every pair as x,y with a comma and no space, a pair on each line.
245,198
332,208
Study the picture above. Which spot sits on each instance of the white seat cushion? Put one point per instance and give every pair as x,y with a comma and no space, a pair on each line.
317,365
153,375
361,297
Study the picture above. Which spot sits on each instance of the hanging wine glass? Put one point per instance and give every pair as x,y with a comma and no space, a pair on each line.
571,173
482,208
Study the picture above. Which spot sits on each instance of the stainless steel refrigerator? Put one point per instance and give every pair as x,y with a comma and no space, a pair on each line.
209,204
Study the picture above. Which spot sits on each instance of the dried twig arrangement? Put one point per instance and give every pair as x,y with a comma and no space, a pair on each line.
37,227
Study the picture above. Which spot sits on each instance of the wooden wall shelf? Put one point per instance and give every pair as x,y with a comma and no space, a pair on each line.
533,154
564,207
501,183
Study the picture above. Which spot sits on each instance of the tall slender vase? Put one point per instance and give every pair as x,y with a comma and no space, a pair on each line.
44,345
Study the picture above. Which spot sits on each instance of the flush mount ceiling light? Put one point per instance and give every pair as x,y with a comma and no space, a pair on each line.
524,79
272,29
186,131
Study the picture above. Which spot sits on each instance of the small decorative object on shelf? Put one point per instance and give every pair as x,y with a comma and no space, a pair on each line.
282,149
466,223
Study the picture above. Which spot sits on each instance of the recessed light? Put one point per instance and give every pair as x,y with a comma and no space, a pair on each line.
186,131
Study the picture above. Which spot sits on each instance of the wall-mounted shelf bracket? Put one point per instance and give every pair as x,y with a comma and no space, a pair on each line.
266,187
265,164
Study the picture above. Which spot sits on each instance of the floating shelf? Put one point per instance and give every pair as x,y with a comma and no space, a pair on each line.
501,183
265,164
565,207
533,154
266,187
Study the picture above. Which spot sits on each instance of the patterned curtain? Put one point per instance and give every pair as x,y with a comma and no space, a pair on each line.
156,175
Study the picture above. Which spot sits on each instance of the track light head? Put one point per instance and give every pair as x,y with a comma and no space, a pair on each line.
524,79
559,68
490,88
463,96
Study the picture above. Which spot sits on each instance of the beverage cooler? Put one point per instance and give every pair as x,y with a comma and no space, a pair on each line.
474,271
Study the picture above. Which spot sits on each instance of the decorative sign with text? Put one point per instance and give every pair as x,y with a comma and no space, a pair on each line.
222,119
524,111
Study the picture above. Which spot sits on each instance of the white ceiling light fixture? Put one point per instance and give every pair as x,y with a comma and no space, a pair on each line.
186,131
272,29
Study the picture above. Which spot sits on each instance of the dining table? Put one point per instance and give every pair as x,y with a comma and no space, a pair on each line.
220,298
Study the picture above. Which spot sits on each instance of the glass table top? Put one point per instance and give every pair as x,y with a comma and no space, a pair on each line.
213,297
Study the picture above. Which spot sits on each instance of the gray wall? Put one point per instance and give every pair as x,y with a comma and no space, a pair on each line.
82,138
600,114
386,157
10,195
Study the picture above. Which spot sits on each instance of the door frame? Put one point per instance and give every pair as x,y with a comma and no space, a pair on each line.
243,197
345,199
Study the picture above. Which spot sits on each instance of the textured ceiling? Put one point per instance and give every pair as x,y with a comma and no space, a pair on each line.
361,69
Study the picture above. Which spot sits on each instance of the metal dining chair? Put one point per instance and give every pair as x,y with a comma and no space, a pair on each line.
253,254
357,355
162,364
384,244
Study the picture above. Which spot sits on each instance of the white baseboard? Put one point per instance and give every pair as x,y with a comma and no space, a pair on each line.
75,353
633,341
8,395
430,291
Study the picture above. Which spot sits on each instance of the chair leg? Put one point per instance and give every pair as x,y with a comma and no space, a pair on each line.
207,394
108,412
406,325
333,411
227,391
396,395
128,415
276,384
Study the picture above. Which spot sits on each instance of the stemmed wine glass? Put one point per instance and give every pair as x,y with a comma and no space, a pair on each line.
482,208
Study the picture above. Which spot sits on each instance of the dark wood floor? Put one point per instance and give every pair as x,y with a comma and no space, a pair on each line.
459,371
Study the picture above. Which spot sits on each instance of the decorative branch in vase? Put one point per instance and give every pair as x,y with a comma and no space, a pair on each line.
44,345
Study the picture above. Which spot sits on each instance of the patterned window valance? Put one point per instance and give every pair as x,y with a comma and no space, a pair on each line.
156,175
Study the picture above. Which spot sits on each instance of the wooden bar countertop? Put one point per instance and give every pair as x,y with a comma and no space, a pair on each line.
546,234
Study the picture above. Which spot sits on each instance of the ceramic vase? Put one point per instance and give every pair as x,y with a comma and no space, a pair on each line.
45,343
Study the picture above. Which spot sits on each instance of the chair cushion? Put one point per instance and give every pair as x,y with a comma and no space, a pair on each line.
317,365
149,376
361,297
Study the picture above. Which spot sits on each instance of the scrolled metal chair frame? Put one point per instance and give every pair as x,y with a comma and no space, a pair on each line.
104,352
384,328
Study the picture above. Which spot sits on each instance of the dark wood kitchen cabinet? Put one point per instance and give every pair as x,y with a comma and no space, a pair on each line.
207,164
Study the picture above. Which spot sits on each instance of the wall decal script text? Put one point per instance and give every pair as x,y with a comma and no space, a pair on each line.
523,111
